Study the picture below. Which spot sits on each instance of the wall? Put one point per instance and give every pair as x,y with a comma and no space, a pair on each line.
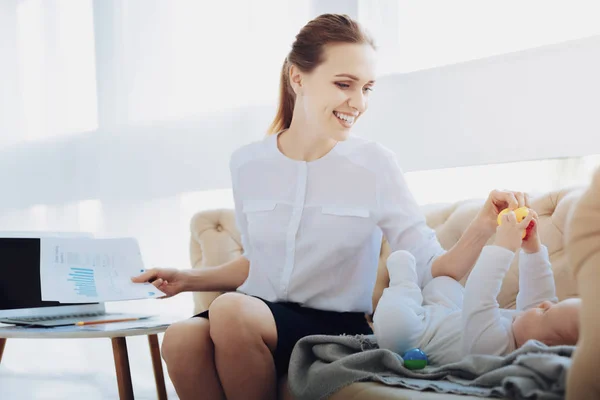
530,105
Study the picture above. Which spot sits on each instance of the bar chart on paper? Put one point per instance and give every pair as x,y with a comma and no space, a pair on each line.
83,270
83,281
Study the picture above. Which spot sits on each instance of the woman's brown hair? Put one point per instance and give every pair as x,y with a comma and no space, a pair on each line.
307,54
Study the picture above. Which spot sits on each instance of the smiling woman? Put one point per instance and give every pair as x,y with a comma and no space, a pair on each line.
326,70
328,99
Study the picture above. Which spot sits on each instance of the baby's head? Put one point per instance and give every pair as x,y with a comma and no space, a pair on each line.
550,323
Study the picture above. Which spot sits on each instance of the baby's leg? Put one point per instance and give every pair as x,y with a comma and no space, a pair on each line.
398,321
445,291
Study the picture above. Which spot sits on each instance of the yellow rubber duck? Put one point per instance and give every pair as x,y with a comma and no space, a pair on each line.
520,213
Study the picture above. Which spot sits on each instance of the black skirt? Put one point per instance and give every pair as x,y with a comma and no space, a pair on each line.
295,322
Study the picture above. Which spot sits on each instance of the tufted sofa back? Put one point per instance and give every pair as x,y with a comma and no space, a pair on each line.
215,240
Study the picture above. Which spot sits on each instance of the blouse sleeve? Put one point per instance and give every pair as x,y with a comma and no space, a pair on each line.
402,221
240,217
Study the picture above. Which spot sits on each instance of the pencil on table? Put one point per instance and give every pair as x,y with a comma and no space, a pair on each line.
106,321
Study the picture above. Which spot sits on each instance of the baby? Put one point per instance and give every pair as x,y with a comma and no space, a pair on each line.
448,321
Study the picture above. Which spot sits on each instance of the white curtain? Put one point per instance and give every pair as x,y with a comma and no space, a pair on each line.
104,103
55,68
186,57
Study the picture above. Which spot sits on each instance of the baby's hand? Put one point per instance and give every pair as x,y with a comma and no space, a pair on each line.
532,243
510,233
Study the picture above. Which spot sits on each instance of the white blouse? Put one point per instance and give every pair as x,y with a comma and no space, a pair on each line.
312,230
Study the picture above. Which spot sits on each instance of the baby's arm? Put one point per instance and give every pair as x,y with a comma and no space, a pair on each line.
536,280
485,331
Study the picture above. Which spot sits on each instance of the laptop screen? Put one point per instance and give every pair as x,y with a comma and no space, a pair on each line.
20,286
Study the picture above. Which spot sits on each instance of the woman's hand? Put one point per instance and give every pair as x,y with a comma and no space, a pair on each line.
510,233
497,201
170,281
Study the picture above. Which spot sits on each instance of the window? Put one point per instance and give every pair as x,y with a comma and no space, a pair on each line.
475,182
186,57
56,67
419,35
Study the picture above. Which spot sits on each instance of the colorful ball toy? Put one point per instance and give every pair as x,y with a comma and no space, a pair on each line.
415,359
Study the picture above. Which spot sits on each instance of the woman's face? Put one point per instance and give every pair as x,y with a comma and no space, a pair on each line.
336,93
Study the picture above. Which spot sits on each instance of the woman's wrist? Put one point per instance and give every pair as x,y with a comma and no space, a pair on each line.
457,261
193,279
184,277
484,226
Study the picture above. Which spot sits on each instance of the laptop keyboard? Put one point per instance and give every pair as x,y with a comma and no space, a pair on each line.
56,317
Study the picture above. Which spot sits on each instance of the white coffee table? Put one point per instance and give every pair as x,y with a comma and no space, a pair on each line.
119,346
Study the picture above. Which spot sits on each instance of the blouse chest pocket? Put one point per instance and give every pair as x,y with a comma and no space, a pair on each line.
346,211
262,219
345,227
253,206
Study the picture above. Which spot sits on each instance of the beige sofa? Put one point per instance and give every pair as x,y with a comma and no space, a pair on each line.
215,240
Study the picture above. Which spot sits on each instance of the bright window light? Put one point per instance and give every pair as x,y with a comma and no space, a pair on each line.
39,217
89,214
417,35
185,57
57,72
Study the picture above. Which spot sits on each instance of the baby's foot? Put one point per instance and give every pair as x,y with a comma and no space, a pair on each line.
402,267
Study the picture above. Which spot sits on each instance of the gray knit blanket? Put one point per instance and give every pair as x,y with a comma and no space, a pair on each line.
320,365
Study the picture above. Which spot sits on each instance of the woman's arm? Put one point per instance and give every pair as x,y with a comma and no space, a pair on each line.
231,275
457,261
401,220
405,228
222,278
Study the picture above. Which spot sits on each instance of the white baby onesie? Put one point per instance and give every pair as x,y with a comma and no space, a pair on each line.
448,321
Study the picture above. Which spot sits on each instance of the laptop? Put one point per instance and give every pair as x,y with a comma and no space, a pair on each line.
20,288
